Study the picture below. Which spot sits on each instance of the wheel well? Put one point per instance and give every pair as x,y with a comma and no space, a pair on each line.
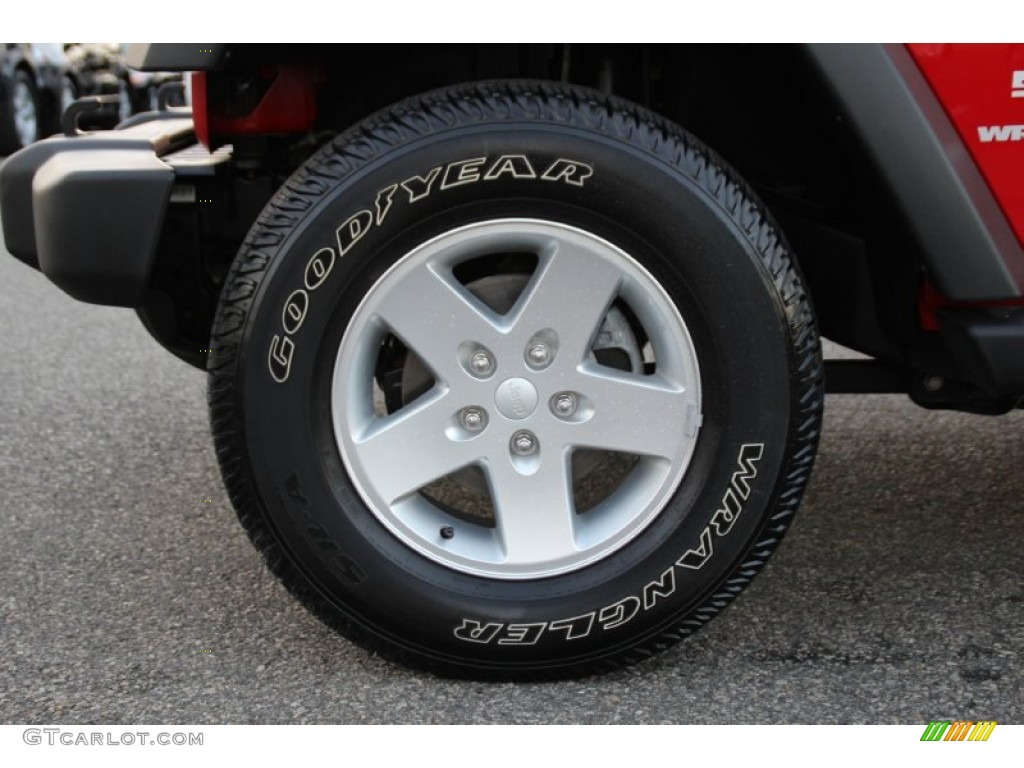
23,66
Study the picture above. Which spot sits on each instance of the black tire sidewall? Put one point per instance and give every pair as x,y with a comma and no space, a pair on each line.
665,217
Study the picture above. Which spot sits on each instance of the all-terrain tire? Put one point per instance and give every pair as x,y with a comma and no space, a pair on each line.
701,367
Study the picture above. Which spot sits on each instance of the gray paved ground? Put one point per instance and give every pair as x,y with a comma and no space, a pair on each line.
897,596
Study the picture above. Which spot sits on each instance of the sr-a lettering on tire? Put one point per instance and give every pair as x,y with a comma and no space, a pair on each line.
515,380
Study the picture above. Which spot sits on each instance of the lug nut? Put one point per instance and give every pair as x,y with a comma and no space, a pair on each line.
524,443
473,419
539,354
481,363
564,404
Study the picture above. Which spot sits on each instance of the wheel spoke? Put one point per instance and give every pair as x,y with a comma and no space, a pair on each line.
633,414
534,512
432,314
409,449
571,292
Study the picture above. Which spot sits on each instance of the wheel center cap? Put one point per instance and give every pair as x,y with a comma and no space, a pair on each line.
516,398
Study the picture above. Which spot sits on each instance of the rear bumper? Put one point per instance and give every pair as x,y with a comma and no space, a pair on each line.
87,211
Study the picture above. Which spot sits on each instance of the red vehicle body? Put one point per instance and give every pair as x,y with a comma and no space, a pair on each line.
513,350
981,88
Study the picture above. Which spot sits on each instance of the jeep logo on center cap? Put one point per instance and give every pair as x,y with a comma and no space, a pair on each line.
516,398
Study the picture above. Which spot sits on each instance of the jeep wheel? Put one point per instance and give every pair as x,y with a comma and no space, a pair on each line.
20,115
515,380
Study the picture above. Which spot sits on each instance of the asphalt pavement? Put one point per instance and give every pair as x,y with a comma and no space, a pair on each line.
130,593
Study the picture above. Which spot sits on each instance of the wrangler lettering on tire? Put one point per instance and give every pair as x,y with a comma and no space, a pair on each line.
544,382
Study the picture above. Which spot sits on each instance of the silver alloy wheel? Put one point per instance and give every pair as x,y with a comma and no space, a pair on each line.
544,396
26,119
